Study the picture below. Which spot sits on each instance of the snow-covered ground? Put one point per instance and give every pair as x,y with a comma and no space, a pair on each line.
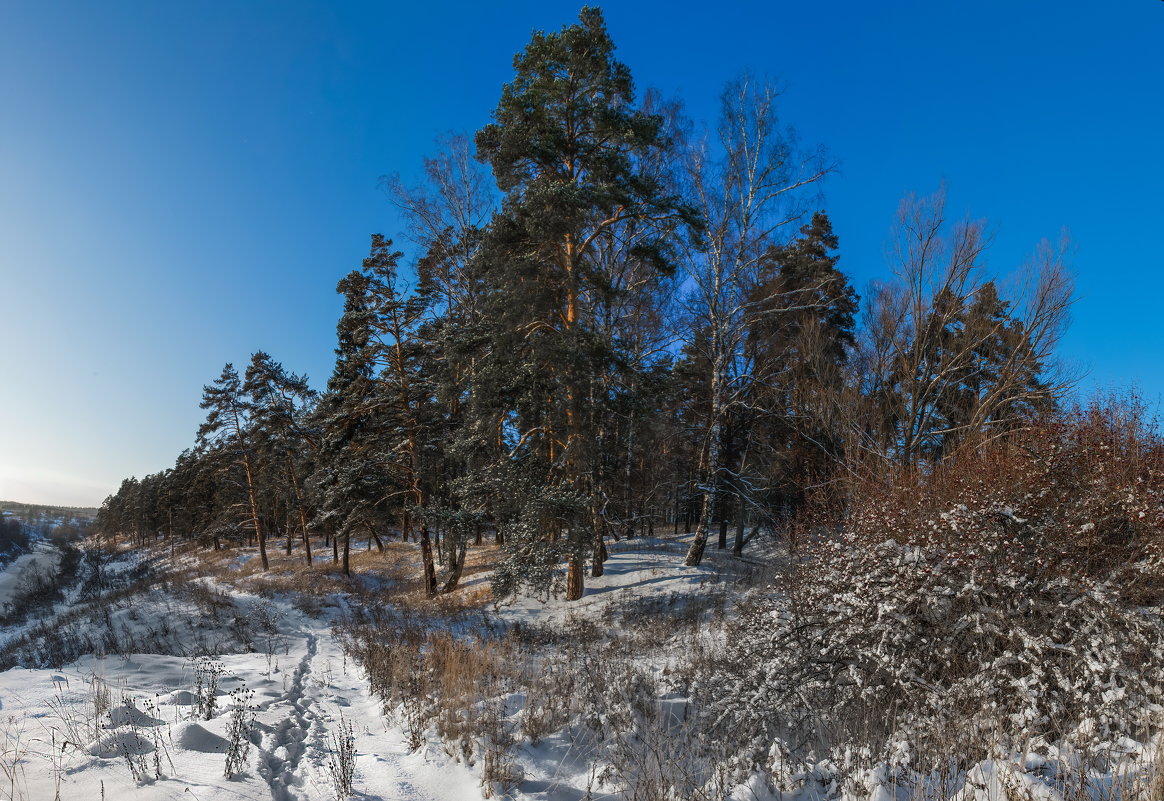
209,685
43,559
141,725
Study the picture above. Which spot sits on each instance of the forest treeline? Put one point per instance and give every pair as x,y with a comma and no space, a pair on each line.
620,325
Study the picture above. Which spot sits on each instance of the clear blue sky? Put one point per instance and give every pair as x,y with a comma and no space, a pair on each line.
183,183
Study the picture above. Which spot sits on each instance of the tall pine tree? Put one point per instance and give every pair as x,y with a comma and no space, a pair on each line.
564,147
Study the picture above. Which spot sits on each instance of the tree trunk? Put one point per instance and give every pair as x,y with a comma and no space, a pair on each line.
712,467
699,543
426,558
574,579
306,538
741,521
456,567
695,552
302,512
254,504
348,552
596,568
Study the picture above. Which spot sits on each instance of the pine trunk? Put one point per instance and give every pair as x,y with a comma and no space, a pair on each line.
306,537
302,512
426,558
254,504
251,497
574,585
456,567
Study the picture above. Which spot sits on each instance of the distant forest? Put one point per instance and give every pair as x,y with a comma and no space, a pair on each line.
622,324
20,522
35,512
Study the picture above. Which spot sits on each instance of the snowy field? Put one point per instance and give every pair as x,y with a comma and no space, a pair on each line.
225,683
156,726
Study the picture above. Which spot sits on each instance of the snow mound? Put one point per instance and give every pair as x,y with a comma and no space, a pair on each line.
118,744
129,715
182,698
193,737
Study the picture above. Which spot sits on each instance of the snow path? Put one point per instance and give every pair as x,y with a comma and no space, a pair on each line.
290,734
134,726
303,687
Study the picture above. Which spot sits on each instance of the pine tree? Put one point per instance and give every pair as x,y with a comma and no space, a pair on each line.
228,424
996,383
372,418
800,334
563,147
280,402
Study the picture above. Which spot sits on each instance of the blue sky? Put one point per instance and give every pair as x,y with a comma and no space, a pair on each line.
184,183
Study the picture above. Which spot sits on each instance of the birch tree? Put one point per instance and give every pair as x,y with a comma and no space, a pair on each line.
749,184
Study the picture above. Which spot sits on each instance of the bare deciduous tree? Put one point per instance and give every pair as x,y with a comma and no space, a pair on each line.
940,330
748,188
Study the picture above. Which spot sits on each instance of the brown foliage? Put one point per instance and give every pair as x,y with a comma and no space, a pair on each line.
1080,493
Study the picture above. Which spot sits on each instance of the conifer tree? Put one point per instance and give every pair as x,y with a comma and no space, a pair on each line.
280,402
800,334
372,418
563,147
228,425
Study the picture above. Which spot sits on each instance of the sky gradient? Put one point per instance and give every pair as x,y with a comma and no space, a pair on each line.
183,184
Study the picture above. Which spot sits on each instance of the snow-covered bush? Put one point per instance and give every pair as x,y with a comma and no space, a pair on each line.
999,600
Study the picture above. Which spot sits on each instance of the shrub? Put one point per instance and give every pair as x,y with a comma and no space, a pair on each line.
995,599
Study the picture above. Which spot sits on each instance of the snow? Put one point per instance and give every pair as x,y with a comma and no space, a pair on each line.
640,569
134,726
148,745
43,559
153,726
